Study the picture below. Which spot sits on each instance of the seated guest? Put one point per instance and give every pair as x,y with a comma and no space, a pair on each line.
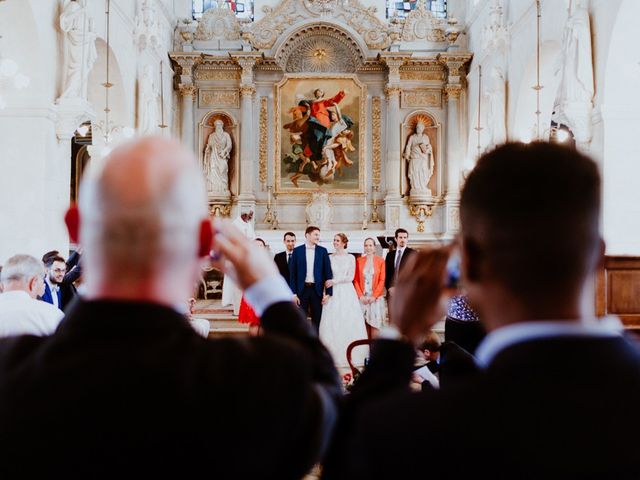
428,362
554,397
369,285
118,390
20,312
282,259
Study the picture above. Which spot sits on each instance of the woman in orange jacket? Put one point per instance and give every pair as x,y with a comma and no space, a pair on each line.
369,285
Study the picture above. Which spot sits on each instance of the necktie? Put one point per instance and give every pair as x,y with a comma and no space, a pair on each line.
396,267
288,258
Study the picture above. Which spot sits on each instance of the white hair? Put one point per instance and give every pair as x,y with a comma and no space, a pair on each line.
21,268
162,230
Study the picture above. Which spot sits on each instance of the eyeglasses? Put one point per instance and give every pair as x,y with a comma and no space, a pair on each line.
59,270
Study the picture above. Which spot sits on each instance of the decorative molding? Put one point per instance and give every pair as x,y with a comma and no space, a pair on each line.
376,135
147,33
217,74
218,24
227,97
320,49
392,91
420,24
456,65
421,97
264,33
422,75
263,148
453,91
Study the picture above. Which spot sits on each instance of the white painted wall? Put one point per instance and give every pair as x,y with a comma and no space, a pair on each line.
34,165
616,118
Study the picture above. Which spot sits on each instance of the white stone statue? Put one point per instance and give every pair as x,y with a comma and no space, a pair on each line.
496,107
419,154
216,159
148,103
319,210
576,84
80,44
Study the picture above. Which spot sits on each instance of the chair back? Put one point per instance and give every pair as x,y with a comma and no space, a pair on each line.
352,345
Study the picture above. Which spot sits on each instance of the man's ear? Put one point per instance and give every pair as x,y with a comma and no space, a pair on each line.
206,238
72,220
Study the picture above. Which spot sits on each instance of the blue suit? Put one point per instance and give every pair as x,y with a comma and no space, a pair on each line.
48,297
310,296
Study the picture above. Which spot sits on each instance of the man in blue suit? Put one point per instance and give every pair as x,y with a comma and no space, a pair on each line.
309,269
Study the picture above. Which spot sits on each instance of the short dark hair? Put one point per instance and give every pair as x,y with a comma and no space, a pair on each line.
531,213
311,228
288,234
52,253
258,239
400,230
51,259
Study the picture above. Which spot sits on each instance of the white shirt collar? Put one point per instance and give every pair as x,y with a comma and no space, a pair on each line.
509,335
53,286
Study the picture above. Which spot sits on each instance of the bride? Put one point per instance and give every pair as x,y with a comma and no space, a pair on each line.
342,321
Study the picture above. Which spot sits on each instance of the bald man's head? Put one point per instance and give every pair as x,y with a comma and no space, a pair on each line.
141,212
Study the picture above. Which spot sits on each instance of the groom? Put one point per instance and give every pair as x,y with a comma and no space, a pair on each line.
309,269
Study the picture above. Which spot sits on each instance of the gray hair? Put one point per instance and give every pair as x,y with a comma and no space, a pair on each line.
21,268
163,230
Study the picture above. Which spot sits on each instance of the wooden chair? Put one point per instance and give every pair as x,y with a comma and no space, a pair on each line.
357,343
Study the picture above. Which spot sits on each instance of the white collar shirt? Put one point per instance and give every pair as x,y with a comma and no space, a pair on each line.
21,315
509,335
311,257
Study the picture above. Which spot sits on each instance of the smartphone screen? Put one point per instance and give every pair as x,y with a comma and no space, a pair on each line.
453,271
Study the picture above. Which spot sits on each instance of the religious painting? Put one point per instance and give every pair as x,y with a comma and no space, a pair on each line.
320,130
218,146
421,174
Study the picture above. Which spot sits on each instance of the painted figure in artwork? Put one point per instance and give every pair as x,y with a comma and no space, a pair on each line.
419,155
320,137
216,159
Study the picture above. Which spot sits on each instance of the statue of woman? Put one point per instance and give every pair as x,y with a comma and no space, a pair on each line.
216,159
81,50
148,109
419,154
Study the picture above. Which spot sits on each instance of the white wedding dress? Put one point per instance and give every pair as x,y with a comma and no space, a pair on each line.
342,321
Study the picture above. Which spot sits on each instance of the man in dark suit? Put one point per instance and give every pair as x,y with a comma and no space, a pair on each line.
556,388
59,288
309,269
126,386
396,259
282,259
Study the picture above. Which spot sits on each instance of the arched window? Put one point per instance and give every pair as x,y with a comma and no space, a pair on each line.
242,8
402,9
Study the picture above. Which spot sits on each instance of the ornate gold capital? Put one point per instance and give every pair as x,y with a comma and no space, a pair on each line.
453,91
187,90
392,91
247,90
219,210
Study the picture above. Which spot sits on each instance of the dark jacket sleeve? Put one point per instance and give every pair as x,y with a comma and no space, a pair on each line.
328,272
389,370
388,263
293,273
288,321
74,268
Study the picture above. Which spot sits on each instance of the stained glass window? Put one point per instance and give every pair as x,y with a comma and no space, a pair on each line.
242,8
402,9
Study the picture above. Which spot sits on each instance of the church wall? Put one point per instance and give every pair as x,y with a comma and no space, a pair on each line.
616,103
35,134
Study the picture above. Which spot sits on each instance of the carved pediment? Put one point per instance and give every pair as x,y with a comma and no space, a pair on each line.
318,49
218,23
375,33
420,24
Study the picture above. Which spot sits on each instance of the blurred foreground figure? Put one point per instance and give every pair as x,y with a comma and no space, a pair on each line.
126,387
556,387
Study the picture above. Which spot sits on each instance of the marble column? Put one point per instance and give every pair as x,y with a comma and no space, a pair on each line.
188,94
393,198
248,150
456,136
